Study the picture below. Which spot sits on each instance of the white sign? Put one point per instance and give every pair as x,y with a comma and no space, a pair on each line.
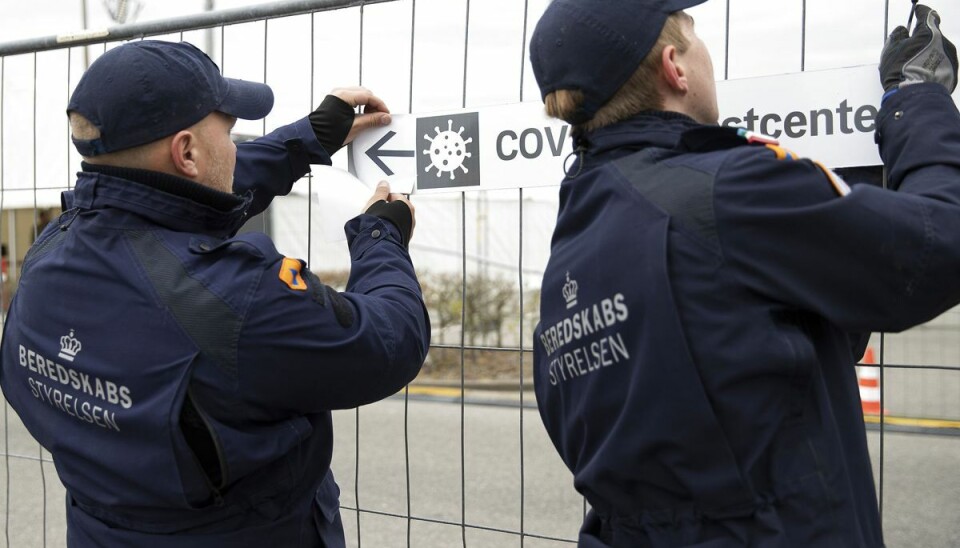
510,146
829,116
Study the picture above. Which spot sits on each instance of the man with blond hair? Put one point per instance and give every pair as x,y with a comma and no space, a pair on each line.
182,376
708,292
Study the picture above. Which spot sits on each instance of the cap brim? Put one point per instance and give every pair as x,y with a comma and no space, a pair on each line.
247,100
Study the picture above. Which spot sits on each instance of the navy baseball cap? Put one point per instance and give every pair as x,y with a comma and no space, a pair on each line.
143,91
596,45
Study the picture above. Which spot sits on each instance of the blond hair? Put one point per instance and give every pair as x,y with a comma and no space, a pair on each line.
639,93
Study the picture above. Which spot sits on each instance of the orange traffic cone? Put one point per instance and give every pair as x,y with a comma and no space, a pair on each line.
869,381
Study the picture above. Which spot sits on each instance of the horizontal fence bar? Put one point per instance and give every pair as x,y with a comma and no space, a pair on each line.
247,14
527,349
477,347
955,368
29,457
457,524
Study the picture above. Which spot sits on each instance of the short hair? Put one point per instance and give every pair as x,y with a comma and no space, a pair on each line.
639,93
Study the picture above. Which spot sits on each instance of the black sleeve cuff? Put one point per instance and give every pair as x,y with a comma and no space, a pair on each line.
331,123
397,213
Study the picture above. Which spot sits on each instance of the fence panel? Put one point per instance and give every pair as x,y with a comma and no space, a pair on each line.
460,456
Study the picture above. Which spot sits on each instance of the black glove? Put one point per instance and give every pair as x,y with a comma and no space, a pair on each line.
927,56
397,213
331,123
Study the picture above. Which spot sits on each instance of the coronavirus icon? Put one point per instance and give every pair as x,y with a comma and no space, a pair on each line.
448,150
451,158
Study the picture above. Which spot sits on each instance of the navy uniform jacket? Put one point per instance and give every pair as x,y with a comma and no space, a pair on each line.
183,377
701,312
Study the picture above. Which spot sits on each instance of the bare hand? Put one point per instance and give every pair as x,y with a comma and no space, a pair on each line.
373,114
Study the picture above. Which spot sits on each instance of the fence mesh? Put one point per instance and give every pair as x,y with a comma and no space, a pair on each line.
459,457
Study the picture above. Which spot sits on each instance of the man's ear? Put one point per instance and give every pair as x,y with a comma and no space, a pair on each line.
674,75
184,153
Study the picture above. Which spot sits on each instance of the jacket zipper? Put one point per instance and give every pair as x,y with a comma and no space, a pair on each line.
215,489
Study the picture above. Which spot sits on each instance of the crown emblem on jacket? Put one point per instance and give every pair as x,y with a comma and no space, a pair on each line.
69,347
570,292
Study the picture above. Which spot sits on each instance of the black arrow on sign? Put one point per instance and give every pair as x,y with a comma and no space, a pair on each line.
375,153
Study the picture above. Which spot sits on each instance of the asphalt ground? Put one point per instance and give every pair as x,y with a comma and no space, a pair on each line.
476,478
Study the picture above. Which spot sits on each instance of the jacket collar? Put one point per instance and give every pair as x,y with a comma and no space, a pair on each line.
178,204
659,129
169,184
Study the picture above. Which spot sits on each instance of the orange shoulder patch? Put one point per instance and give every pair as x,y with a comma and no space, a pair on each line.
782,153
290,274
839,185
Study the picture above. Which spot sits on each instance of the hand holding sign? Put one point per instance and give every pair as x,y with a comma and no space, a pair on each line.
374,113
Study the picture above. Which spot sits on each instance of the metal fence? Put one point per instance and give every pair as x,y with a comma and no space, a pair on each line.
459,457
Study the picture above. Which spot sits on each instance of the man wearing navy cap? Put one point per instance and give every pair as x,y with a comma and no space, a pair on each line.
708,292
181,376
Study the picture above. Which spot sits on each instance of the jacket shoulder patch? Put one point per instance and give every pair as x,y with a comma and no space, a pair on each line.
839,185
782,153
756,138
290,274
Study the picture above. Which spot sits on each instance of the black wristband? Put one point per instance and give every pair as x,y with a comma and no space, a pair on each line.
397,213
331,123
